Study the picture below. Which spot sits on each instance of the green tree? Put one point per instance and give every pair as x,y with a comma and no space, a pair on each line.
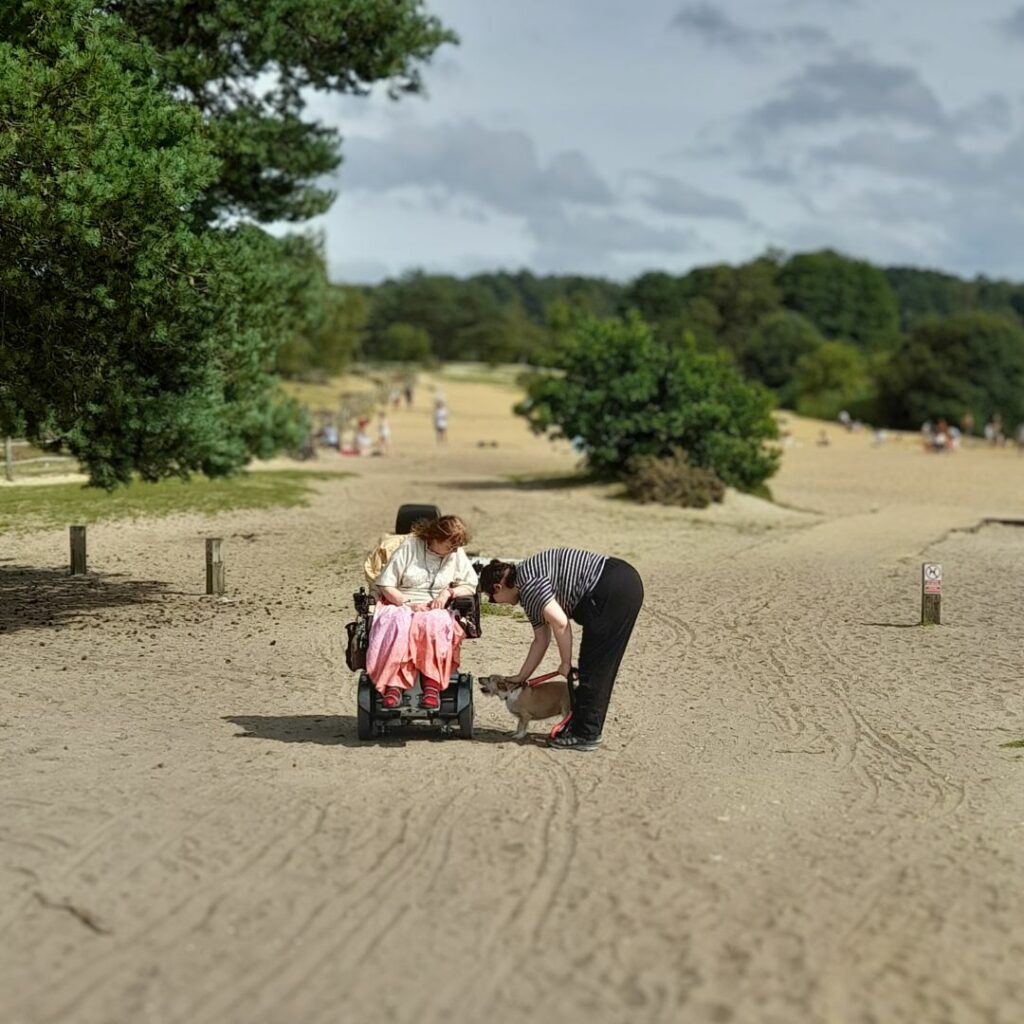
331,330
620,392
843,298
925,293
971,362
246,66
405,343
136,326
740,297
506,337
832,377
771,351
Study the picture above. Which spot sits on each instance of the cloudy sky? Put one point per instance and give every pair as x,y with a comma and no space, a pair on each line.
616,136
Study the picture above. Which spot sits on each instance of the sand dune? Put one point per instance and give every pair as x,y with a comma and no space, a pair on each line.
803,810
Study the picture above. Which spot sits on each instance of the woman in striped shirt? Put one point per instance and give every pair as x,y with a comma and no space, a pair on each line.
603,595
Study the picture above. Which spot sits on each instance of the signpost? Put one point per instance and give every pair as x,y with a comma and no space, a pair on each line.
931,594
214,566
78,558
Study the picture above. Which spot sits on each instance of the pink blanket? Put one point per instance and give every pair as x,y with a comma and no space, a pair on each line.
403,642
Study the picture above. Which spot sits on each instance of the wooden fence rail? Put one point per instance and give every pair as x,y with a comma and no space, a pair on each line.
11,464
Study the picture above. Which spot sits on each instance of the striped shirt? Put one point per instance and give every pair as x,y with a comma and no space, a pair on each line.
565,574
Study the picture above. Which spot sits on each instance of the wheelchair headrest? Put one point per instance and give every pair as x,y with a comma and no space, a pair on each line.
409,514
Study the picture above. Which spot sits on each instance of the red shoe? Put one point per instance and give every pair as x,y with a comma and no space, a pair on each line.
392,698
430,699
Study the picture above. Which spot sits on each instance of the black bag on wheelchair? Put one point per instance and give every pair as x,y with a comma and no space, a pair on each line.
358,642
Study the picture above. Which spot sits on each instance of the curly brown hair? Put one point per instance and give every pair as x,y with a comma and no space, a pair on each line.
449,528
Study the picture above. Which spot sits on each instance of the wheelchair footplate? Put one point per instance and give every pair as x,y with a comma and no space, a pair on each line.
456,710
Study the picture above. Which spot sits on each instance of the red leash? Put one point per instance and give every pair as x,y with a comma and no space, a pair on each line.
537,680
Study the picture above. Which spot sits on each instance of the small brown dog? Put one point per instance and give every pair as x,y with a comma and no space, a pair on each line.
529,703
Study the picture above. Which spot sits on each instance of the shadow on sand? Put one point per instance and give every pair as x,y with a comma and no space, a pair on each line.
32,598
340,730
893,625
526,483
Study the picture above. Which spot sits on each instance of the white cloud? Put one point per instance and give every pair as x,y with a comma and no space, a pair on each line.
497,167
557,140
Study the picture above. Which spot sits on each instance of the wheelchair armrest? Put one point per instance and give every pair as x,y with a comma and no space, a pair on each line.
363,601
468,611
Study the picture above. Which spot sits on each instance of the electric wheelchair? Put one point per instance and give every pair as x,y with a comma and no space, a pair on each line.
372,719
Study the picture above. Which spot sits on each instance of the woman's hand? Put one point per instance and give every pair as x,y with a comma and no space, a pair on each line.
418,607
564,668
442,599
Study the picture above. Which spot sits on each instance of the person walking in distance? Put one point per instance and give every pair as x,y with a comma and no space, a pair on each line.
600,593
383,433
441,421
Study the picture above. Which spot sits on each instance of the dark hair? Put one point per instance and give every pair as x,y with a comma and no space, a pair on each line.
493,573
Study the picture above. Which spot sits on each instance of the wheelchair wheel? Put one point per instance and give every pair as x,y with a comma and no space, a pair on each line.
466,721
364,724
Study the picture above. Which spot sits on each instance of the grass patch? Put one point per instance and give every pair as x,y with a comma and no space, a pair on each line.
1014,744
502,375
36,508
331,395
486,608
508,611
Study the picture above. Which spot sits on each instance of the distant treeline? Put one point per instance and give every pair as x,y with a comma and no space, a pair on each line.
893,346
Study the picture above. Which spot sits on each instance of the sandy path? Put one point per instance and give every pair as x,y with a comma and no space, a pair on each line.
802,811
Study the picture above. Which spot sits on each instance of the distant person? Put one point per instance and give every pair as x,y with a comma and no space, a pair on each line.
823,439
1020,438
441,421
967,424
408,394
994,430
383,433
394,397
845,419
331,437
364,446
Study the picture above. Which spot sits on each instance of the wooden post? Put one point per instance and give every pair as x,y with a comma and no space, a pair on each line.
78,551
8,459
931,594
214,567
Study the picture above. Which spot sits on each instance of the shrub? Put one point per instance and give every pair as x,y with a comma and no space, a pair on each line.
672,480
617,391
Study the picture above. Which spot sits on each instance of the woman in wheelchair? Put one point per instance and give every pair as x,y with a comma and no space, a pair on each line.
412,632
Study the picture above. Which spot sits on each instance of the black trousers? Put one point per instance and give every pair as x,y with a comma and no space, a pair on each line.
607,615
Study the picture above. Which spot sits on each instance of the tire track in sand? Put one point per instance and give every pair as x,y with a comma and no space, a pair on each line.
519,925
338,931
